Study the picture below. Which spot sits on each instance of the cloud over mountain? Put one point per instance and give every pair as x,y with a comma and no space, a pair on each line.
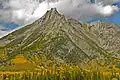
26,11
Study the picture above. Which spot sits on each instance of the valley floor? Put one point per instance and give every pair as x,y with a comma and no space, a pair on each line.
62,73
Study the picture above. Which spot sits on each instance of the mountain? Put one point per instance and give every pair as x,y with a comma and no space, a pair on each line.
59,40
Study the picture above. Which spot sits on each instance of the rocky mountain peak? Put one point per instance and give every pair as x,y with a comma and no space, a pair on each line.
63,40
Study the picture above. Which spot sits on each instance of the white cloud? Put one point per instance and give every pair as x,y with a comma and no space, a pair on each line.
108,10
80,9
25,11
1,31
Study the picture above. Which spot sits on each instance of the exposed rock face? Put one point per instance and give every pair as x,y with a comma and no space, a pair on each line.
65,40
108,35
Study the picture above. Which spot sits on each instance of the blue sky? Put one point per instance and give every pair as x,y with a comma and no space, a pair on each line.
9,25
113,19
116,17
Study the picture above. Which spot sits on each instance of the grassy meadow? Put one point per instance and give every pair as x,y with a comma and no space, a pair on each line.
63,72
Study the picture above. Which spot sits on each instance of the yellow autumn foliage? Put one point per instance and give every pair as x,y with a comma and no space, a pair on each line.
19,60
59,73
3,57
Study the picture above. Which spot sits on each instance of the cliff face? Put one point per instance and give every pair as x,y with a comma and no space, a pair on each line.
64,40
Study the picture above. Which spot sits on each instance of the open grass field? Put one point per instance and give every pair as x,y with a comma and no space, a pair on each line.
59,73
